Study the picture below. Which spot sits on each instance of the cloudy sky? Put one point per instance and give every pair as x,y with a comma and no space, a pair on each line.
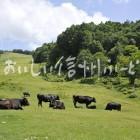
26,24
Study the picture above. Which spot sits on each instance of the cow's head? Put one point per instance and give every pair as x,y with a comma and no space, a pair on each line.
52,102
94,100
24,102
57,97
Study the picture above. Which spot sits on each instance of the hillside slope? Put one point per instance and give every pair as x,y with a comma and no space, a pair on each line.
70,124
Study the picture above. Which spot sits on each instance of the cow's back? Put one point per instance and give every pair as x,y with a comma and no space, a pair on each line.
5,104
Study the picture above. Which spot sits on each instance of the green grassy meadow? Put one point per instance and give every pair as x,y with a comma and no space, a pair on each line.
35,123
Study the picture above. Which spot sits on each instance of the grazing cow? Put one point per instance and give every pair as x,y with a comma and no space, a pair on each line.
83,100
13,103
113,106
26,94
46,98
57,104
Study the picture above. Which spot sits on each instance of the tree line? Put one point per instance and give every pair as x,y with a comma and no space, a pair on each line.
27,52
119,42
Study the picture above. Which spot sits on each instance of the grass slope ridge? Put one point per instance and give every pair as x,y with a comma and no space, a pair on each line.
70,124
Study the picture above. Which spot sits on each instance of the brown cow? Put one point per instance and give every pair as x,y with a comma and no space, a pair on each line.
13,103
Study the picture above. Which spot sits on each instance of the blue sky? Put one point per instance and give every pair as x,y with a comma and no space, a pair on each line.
28,24
117,11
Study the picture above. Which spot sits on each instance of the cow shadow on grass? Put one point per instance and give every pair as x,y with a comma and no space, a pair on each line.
91,107
88,107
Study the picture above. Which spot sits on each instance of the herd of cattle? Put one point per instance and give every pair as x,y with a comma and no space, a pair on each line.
54,102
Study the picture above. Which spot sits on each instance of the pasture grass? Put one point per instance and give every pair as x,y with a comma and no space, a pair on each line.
35,123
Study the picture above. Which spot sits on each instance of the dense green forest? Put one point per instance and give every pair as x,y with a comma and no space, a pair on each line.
115,44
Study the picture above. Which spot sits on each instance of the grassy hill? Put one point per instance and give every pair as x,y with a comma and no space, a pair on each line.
35,123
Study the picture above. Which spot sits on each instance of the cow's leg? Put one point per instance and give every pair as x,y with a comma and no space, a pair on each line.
87,104
51,104
39,103
119,109
74,102
20,108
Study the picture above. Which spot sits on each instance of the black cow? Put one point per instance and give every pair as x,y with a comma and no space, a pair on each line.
46,98
57,104
113,106
83,100
26,94
22,102
13,103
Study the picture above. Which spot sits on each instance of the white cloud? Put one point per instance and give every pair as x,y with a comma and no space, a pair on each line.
121,1
39,21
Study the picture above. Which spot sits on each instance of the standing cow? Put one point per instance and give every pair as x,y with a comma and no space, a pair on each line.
46,98
113,106
83,100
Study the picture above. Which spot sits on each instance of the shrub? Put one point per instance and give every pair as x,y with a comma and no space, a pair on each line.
106,80
133,95
137,84
126,90
109,86
123,90
129,91
91,80
116,81
54,78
